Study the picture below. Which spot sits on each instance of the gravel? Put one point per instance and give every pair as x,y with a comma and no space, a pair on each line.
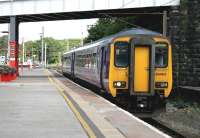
182,117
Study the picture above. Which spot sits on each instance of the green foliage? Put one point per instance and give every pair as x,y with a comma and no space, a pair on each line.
68,44
108,26
32,47
55,48
3,44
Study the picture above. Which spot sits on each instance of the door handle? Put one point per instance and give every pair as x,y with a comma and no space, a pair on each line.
147,68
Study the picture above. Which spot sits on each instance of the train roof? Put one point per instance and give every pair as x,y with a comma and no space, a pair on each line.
129,32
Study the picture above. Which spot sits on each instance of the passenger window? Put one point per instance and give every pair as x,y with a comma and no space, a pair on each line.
161,55
121,54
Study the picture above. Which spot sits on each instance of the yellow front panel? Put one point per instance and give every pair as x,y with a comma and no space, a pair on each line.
165,74
141,70
117,73
141,78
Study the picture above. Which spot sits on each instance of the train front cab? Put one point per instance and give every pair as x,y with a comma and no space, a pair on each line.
141,67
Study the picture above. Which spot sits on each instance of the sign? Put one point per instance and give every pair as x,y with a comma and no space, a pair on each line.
2,60
13,60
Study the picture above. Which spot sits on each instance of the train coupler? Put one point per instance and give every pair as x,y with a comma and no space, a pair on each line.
143,104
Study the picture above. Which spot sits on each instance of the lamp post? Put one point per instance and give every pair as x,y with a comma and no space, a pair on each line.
45,55
42,47
81,38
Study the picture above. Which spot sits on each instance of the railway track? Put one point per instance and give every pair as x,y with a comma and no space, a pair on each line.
148,120
163,128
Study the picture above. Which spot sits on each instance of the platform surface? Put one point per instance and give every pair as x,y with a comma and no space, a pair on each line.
35,106
112,121
31,107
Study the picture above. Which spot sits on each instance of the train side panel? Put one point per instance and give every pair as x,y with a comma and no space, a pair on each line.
85,66
67,63
104,67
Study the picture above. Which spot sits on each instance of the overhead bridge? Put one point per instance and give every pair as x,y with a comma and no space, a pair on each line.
48,10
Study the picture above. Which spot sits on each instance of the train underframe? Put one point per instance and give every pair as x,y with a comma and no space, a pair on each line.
142,103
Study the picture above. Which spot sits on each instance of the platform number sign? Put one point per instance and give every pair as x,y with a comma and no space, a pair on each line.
13,60
12,50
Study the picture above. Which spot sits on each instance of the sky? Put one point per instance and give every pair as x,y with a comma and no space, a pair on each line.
56,29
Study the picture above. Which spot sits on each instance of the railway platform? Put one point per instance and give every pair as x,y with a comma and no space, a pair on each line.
44,104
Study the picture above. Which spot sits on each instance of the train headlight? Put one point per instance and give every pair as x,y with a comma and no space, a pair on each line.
161,84
119,84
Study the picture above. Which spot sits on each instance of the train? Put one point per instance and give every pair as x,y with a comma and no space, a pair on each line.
135,63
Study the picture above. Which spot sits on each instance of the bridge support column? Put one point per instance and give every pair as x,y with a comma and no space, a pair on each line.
165,23
13,43
175,36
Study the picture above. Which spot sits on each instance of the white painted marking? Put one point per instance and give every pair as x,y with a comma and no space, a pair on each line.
23,84
12,59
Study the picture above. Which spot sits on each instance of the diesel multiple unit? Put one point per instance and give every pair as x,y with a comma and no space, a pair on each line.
136,63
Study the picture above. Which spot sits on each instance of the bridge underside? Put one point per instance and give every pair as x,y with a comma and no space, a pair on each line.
153,11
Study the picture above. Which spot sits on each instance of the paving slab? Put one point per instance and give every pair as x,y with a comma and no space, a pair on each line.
31,107
111,120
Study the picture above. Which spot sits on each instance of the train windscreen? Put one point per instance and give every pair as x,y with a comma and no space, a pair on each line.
121,54
161,55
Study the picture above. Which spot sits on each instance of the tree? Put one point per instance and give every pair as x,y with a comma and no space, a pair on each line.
69,44
55,48
33,47
3,43
108,26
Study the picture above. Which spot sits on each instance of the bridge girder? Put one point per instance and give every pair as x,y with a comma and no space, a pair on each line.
87,14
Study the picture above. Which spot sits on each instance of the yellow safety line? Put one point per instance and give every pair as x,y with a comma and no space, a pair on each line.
84,124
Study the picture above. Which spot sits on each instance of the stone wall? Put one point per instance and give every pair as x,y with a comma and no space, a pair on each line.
192,46
174,35
184,32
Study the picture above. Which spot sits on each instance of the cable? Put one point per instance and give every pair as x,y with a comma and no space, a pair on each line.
123,6
137,26
126,4
167,3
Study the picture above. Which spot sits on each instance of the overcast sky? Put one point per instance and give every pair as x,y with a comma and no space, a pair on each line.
56,29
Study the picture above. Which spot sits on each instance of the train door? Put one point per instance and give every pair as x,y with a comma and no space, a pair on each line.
142,62
72,64
101,55
104,67
141,69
